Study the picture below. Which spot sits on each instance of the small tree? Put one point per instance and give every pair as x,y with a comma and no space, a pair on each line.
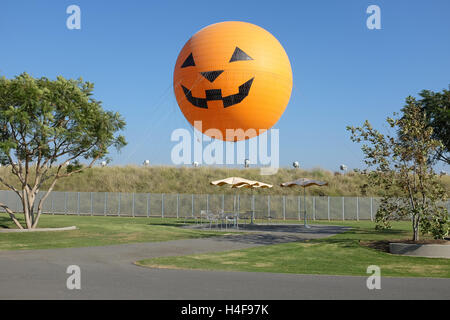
44,121
403,170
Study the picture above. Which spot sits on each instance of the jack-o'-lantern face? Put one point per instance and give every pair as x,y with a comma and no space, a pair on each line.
232,76
216,94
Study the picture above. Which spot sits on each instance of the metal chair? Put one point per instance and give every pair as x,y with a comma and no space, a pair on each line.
203,215
212,217
233,218
191,217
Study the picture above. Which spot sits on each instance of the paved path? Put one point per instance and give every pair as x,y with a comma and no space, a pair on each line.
109,273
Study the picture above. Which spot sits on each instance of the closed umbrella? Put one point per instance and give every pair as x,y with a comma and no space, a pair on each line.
304,182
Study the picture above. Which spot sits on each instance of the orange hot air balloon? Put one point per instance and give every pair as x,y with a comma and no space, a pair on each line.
234,77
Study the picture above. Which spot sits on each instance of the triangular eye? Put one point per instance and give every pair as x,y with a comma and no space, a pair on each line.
239,55
189,62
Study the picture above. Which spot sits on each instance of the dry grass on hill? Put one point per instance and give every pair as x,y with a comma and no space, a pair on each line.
166,179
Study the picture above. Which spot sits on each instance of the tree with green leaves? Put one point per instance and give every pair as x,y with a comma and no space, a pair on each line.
46,128
403,169
436,106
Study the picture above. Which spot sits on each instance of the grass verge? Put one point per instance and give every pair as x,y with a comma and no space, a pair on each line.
96,231
342,254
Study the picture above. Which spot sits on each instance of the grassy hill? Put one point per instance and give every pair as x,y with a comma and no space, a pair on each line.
166,179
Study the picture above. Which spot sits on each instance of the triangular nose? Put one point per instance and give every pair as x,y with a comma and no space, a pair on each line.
211,75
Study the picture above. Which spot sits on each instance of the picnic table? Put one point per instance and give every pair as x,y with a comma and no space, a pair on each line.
214,216
223,216
251,214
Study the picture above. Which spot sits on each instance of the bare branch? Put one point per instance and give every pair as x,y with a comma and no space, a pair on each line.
10,186
11,215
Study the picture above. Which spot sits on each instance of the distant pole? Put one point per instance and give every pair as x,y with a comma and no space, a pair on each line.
299,207
18,204
92,204
253,208
371,209
106,203
357,208
132,210
314,208
239,202
328,208
343,208
178,200
118,207
304,211
148,205
284,207
162,205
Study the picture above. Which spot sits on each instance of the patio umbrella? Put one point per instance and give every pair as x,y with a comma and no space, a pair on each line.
234,182
303,182
237,182
255,185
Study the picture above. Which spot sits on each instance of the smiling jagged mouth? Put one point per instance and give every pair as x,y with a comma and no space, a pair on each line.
216,94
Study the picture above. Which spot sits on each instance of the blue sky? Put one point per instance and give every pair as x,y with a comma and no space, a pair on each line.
343,72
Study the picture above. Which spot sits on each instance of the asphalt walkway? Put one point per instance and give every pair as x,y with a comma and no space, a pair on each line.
108,272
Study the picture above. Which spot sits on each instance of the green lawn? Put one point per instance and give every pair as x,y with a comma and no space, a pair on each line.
95,231
338,255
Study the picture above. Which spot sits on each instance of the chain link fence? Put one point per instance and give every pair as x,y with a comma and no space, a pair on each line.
190,205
